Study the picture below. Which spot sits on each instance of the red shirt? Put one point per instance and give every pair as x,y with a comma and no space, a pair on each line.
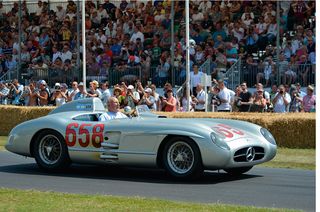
170,108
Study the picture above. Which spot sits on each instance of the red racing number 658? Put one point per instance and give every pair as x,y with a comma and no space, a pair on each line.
83,132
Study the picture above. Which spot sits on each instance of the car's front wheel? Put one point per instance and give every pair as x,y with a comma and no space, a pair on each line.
238,171
50,151
181,158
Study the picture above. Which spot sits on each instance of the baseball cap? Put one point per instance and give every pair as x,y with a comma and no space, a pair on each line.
64,85
57,84
80,84
42,82
130,87
148,90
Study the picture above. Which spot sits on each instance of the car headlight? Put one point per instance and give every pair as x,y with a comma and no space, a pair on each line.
268,136
219,142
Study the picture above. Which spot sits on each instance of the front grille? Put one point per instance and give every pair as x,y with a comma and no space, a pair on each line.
241,154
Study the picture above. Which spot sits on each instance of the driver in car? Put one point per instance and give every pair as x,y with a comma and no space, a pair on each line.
113,111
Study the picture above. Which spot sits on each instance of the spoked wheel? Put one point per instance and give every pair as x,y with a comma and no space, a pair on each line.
50,151
182,158
238,171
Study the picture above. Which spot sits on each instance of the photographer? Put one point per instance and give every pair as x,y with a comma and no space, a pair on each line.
281,100
295,104
16,89
4,91
58,97
148,99
132,97
259,102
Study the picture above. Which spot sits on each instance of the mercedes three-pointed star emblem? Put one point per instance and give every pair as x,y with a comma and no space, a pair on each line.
250,154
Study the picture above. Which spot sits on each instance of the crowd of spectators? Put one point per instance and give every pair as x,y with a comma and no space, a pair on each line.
281,99
137,34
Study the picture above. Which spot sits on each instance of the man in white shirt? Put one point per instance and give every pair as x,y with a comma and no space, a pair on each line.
113,111
74,91
105,93
224,97
200,100
195,78
281,100
55,54
137,34
66,54
60,13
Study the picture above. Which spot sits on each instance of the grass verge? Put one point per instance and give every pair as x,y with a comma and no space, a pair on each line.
31,200
285,158
293,158
3,140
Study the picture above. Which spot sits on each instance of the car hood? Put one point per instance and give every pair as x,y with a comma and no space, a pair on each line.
226,128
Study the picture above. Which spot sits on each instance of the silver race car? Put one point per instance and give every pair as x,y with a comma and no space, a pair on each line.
183,147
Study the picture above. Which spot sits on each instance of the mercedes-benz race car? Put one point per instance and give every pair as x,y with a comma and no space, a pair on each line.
185,148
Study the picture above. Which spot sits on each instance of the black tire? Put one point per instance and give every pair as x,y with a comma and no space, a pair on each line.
50,151
188,154
238,171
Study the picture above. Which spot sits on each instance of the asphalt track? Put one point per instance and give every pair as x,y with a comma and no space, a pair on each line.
261,187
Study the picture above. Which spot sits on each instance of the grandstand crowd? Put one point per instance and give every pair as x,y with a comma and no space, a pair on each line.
136,34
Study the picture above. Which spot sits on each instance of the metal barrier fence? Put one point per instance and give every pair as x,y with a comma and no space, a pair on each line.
232,75
51,76
289,74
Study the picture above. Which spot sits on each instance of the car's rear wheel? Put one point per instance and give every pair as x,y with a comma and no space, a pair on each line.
50,151
238,171
182,159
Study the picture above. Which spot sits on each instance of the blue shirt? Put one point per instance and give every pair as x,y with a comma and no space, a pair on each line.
221,32
116,49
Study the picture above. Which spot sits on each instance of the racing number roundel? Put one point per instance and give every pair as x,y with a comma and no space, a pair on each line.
84,134
227,131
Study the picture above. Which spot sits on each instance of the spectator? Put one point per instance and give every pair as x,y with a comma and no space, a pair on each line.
16,90
309,101
195,78
60,13
137,34
94,91
58,97
169,103
4,91
281,100
82,94
66,53
105,92
200,99
43,95
117,93
184,102
148,99
245,98
224,97
295,104
273,92
74,91
156,96
259,103
132,97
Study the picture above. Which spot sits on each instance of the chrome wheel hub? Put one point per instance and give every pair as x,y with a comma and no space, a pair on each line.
50,149
180,157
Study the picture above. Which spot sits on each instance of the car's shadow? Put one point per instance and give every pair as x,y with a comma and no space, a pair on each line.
124,174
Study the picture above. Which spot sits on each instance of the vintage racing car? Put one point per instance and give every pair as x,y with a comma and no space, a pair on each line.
183,147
